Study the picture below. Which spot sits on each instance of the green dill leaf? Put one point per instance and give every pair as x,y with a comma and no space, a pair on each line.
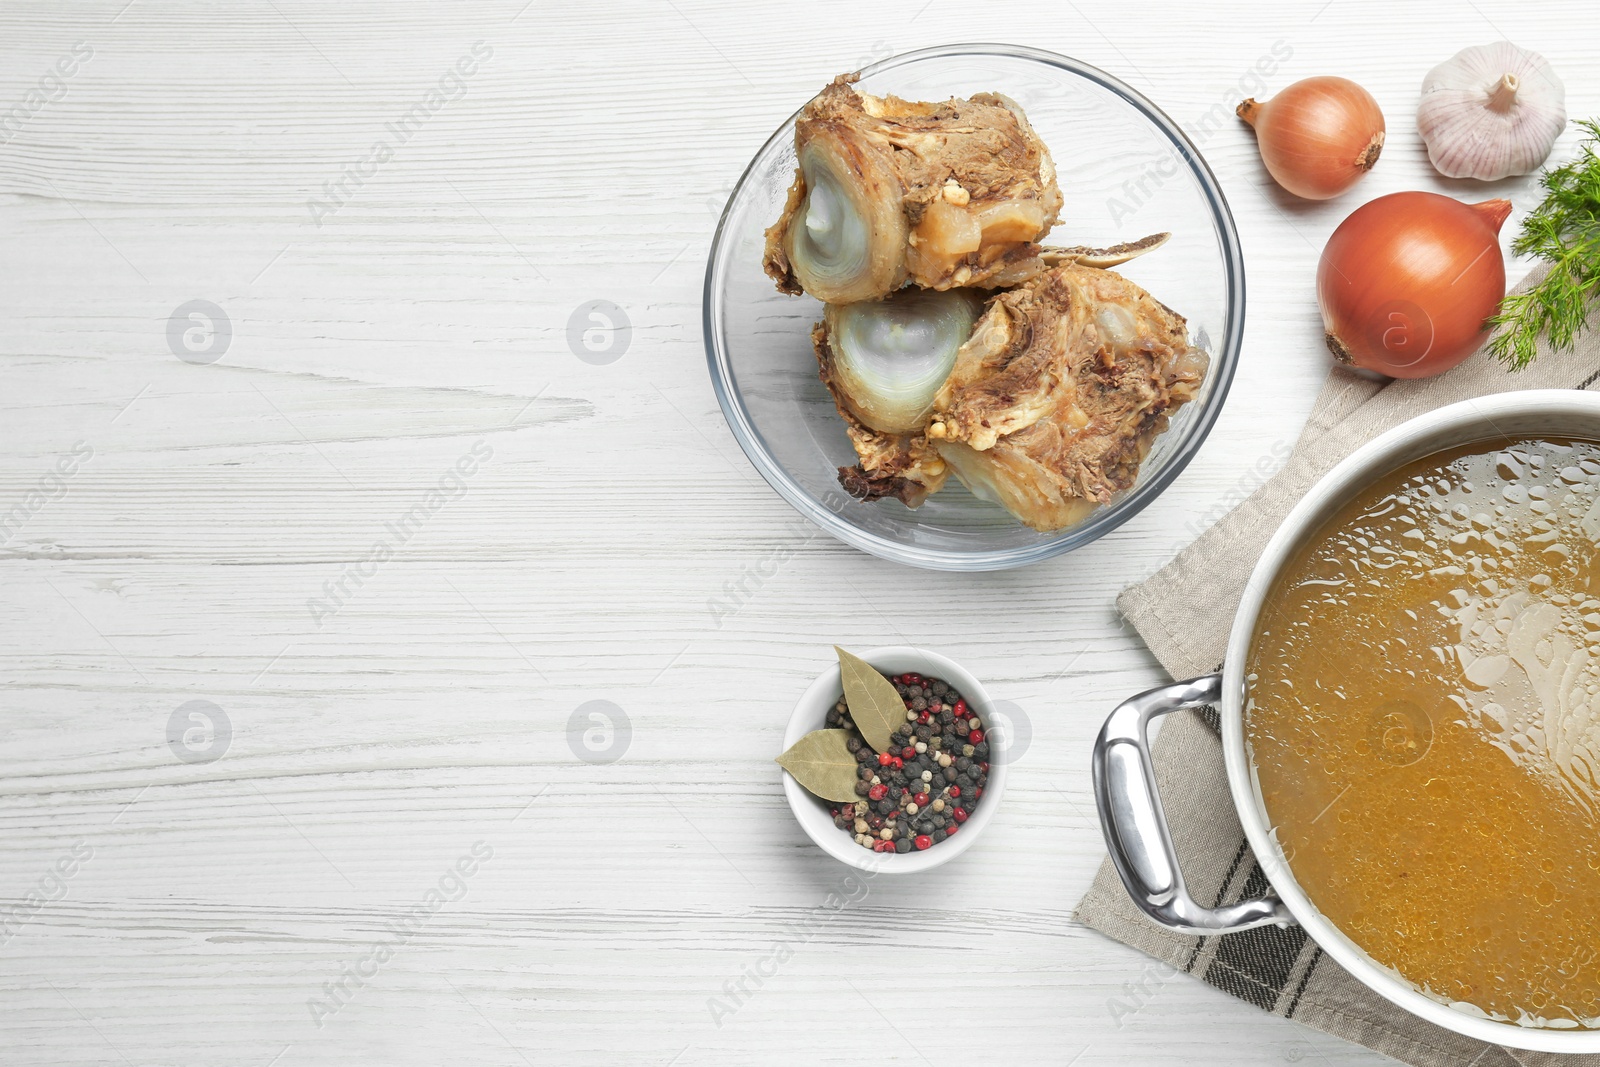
1564,230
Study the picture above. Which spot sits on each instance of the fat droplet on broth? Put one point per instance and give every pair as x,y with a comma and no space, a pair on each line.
1484,671
1590,522
1420,591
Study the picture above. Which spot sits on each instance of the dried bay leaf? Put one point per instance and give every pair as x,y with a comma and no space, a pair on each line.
822,763
875,705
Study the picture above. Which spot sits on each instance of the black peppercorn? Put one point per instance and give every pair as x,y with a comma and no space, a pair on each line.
943,736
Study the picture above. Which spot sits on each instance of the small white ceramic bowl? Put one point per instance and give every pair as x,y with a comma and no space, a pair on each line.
811,714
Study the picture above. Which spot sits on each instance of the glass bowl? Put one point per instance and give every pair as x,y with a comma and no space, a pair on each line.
1125,170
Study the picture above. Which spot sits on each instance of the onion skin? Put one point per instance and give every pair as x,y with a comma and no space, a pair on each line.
1408,282
1318,136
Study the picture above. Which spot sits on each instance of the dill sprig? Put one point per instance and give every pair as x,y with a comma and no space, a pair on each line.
1564,229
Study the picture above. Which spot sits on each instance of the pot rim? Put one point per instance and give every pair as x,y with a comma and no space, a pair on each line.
1414,439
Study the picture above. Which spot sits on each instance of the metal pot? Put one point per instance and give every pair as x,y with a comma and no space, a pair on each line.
1124,780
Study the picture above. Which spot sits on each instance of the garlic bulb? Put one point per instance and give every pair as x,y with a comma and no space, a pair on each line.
1491,111
885,359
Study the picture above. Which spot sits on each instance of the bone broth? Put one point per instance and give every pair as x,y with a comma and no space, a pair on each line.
1424,717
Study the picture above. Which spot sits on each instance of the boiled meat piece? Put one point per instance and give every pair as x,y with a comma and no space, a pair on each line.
890,192
1050,406
1055,401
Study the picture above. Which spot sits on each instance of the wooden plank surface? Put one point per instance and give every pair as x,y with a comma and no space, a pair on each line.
386,332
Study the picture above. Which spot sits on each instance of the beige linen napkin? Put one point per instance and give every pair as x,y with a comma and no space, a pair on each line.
1184,613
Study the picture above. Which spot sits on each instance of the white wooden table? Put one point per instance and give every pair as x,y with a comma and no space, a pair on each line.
226,510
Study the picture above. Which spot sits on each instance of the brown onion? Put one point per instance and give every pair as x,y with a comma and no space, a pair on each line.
1407,282
1318,136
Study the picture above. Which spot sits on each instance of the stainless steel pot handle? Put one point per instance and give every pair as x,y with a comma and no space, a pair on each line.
1136,827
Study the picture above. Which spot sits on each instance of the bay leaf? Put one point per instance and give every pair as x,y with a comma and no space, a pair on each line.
875,705
821,762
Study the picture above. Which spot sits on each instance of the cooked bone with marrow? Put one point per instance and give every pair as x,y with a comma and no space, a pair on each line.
902,465
1050,405
890,357
890,192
